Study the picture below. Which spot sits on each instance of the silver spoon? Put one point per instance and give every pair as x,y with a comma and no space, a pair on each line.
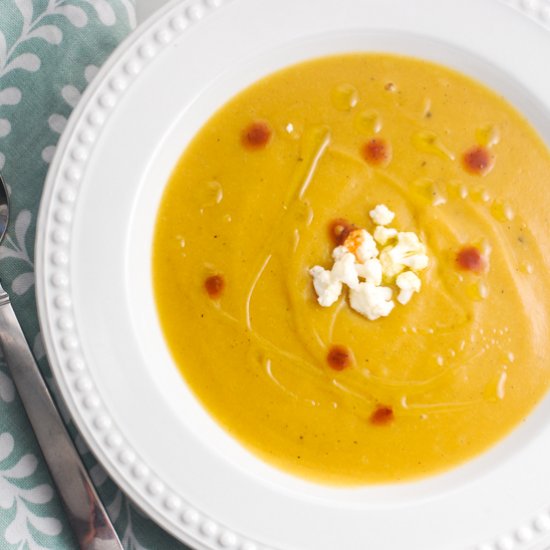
87,517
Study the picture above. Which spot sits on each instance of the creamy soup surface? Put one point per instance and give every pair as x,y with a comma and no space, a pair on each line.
260,196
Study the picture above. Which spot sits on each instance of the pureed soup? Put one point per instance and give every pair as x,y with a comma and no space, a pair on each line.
326,182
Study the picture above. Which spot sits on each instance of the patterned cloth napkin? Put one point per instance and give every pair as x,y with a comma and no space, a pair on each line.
49,51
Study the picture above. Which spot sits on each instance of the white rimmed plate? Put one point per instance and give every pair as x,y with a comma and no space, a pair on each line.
95,294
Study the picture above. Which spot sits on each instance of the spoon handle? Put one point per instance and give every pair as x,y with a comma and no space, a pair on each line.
86,514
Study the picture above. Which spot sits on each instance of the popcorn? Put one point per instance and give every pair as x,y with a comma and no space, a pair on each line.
328,290
328,284
381,215
372,301
384,234
338,252
371,271
408,282
408,252
359,265
344,270
417,262
361,243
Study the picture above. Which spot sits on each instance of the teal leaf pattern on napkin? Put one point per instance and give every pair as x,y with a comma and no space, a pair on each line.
18,493
50,50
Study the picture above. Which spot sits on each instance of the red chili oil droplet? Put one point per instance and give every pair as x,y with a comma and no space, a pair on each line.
256,136
377,152
470,258
339,357
478,160
214,285
382,416
339,230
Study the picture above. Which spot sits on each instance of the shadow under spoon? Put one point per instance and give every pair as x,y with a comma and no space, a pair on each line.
85,512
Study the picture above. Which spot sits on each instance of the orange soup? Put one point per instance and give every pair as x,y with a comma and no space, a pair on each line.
279,177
